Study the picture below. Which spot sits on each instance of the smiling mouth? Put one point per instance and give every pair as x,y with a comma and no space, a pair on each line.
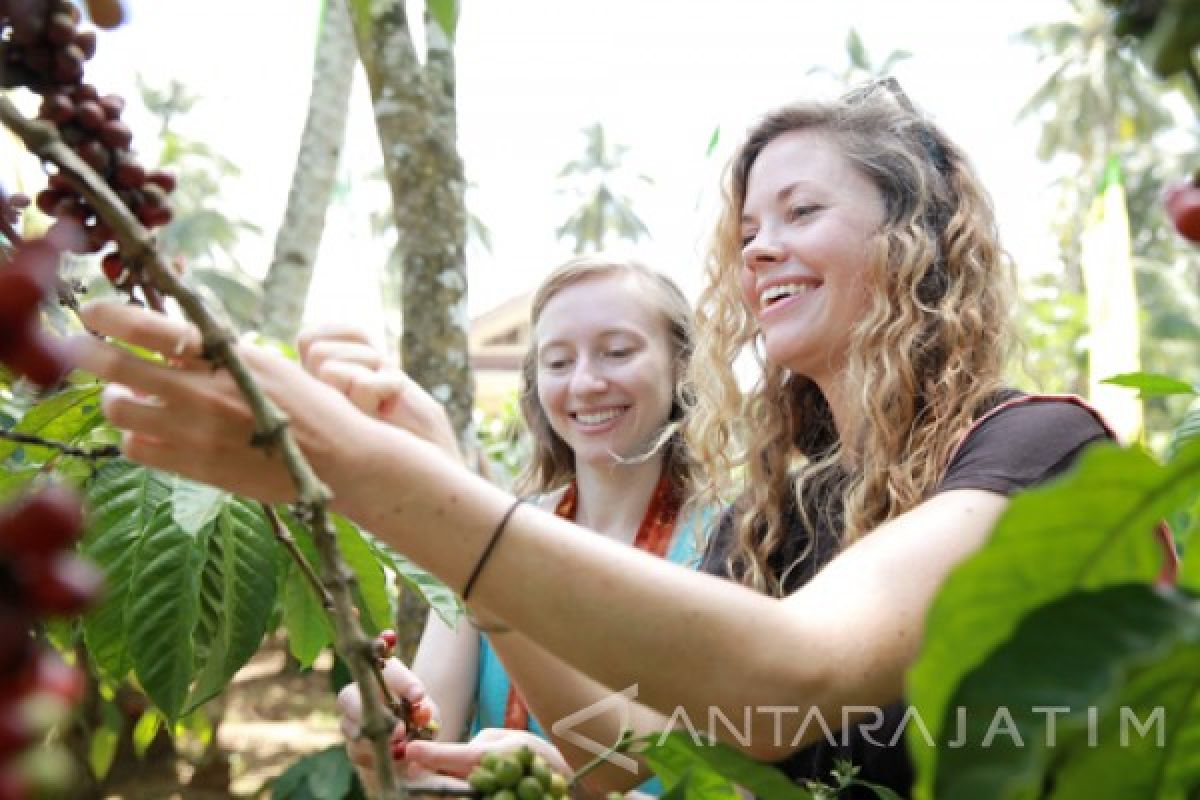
591,418
775,295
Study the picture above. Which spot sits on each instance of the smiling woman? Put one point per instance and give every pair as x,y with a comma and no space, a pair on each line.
877,453
601,394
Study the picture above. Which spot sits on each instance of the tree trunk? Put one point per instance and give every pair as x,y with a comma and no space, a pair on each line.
285,289
415,117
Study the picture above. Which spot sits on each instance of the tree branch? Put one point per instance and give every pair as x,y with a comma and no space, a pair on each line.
271,433
289,543
94,454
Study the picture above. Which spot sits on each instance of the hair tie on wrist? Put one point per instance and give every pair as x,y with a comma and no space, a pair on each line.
491,545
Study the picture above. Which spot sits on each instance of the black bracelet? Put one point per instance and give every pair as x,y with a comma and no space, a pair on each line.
487,551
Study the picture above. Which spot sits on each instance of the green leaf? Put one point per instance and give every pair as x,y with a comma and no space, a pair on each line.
237,594
710,768
1189,572
441,598
164,607
856,51
326,775
195,505
307,623
64,417
1093,529
1113,658
332,776
14,480
145,730
1187,430
445,12
121,501
103,745
363,561
1150,384
712,142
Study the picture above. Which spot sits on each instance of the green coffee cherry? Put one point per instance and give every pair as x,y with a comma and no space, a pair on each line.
529,788
524,758
507,772
558,785
504,794
483,780
541,770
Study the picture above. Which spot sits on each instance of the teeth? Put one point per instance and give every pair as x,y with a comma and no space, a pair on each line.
774,293
598,417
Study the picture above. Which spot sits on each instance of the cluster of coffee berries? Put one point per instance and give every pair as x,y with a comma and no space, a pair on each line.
418,718
45,52
520,775
27,278
45,48
1182,202
40,576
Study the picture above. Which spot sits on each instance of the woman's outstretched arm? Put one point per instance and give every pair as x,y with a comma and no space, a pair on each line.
685,642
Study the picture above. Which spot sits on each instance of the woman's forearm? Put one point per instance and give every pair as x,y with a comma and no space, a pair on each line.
680,641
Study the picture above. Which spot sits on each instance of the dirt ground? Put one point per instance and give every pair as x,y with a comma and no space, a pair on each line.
273,715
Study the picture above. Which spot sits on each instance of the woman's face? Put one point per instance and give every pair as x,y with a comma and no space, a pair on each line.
806,224
604,373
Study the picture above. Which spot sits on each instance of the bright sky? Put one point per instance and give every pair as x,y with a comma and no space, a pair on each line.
660,74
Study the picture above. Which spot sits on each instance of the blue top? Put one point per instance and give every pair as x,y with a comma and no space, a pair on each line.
492,689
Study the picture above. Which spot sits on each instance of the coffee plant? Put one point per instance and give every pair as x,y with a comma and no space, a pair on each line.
1066,606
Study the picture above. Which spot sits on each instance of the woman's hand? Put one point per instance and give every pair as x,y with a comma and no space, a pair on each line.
344,358
403,684
186,417
459,758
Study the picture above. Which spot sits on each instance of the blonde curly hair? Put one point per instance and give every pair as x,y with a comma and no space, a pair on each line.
926,358
552,462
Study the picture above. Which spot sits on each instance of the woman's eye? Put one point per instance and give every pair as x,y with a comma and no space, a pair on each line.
557,364
747,238
623,352
799,212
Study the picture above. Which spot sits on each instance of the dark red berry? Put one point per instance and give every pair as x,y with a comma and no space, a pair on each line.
90,115
164,180
86,41
49,521
113,105
37,357
112,267
115,133
59,585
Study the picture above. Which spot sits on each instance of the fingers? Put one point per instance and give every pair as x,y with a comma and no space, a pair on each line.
330,331
349,703
402,681
451,758
375,393
144,328
325,351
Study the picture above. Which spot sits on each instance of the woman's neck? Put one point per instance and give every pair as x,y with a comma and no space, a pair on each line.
846,420
612,500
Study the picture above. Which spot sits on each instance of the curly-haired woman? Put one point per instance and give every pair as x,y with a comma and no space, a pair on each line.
858,251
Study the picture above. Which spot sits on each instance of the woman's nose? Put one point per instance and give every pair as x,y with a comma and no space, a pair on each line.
762,250
587,378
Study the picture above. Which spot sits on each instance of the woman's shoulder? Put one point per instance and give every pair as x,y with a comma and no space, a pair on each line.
1023,440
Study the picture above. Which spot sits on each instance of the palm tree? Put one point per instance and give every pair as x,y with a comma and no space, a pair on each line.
604,209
